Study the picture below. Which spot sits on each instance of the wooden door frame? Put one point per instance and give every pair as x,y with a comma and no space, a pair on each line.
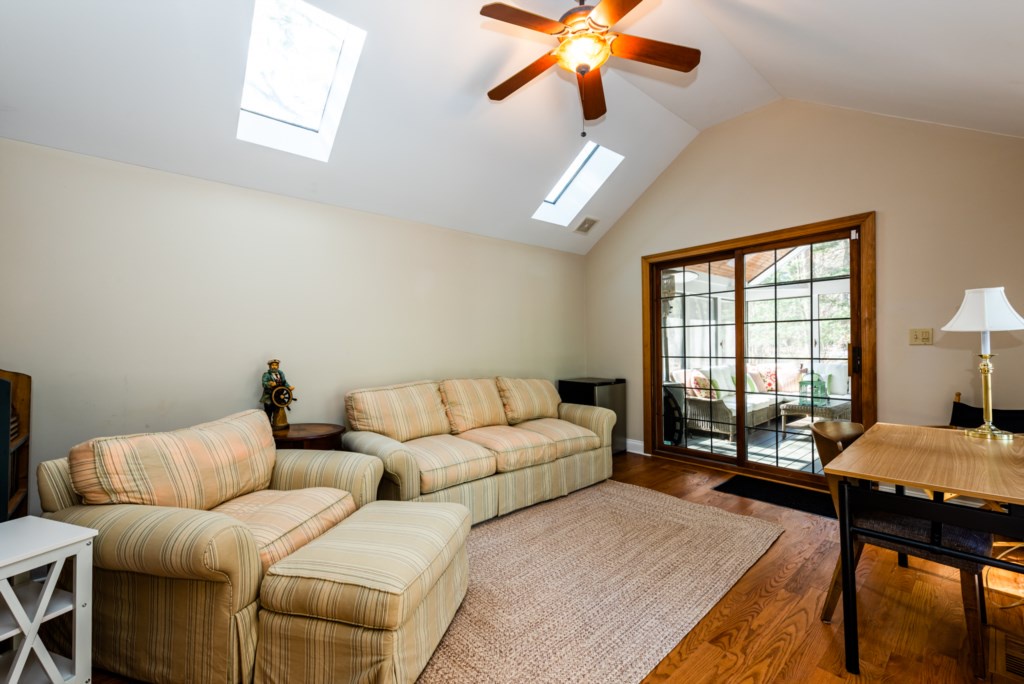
862,292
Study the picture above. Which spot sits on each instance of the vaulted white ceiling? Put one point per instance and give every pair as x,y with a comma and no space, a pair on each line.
158,84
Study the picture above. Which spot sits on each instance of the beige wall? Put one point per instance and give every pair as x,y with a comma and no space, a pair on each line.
140,300
950,216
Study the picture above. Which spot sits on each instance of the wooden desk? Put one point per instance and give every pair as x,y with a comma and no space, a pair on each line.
937,460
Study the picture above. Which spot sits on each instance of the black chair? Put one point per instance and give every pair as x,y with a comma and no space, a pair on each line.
941,532
831,438
967,416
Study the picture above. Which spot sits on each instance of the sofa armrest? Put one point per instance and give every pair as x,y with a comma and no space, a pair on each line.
178,543
595,418
357,474
401,473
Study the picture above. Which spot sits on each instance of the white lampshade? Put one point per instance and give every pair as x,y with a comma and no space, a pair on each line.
985,309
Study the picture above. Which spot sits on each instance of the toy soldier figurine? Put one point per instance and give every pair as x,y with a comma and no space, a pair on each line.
273,379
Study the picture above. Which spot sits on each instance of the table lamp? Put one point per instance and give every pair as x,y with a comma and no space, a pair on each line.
984,310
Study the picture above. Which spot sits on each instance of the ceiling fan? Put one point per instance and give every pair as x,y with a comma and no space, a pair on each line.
584,44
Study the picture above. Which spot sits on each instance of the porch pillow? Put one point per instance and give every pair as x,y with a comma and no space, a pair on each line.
528,399
472,404
198,467
402,412
704,388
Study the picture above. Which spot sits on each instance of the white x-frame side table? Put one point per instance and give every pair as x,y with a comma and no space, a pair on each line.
26,544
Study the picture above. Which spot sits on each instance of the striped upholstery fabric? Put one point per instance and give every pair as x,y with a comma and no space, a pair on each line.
479,496
357,474
342,607
401,474
282,522
527,486
568,437
513,448
444,460
157,630
171,542
598,420
296,649
472,404
55,488
587,468
198,467
528,399
174,593
401,412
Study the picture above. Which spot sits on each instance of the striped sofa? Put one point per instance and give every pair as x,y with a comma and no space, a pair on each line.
493,444
190,522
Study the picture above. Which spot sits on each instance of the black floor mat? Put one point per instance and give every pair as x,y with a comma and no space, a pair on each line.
818,503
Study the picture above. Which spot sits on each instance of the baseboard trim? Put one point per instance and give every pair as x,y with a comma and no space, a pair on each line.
636,446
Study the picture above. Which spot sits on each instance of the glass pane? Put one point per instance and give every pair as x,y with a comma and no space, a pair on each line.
832,259
793,264
835,305
758,269
726,309
722,275
760,340
725,341
794,309
695,279
833,338
761,311
794,340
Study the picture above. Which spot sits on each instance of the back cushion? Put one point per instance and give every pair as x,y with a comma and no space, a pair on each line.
472,404
528,399
198,467
403,412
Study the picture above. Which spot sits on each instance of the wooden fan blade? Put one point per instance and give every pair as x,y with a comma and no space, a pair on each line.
608,12
511,85
514,15
592,94
678,57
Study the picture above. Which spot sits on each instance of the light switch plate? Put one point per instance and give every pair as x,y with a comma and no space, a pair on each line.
920,336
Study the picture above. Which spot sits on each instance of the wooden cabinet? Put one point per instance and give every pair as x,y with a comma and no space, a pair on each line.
15,402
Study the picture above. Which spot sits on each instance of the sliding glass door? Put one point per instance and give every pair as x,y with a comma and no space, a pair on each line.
749,342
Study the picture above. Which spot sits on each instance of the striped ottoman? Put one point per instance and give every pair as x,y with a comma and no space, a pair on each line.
369,600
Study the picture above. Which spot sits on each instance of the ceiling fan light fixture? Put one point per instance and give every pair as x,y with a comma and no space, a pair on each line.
583,52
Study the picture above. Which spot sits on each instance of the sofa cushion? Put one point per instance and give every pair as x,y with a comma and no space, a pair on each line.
569,438
513,448
401,412
528,399
445,461
197,467
283,521
373,571
472,404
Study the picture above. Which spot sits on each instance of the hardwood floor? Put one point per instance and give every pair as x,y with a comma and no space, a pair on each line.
766,629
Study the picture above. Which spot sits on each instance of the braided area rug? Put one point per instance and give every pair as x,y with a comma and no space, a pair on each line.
594,587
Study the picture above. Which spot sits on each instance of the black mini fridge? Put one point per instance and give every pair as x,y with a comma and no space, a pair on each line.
609,393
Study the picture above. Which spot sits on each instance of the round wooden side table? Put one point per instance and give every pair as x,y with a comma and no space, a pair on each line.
325,436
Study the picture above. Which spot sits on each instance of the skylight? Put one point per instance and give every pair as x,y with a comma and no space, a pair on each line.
580,182
297,78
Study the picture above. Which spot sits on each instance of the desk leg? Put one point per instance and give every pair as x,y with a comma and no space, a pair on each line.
849,562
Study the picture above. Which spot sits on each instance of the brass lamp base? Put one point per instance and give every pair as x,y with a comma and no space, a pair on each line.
989,431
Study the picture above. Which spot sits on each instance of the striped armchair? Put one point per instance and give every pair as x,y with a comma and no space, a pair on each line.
189,522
